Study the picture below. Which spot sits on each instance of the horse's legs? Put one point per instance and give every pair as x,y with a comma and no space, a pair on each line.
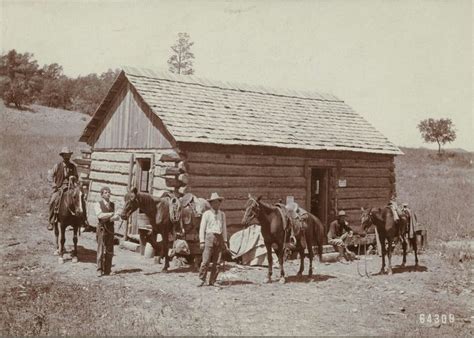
309,245
389,254
156,247
404,246
74,239
268,245
56,234
414,244
62,241
382,244
301,252
281,253
164,247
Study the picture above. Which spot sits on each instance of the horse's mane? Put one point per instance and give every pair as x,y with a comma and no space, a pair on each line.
267,205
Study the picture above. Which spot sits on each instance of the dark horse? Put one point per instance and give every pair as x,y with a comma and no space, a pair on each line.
70,213
271,222
162,213
389,230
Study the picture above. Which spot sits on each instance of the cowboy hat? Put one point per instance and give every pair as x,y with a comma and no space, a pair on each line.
341,213
65,150
215,196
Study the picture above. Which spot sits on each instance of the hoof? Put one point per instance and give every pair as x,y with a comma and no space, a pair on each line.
299,274
382,272
390,272
60,260
402,265
75,260
157,260
268,280
310,273
164,270
56,252
282,280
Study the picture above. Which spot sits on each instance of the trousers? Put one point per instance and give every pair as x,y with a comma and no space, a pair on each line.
213,245
105,248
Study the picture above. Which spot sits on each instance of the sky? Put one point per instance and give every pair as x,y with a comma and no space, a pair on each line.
394,62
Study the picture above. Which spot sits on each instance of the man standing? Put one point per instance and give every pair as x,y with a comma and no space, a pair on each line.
212,238
105,212
338,233
60,178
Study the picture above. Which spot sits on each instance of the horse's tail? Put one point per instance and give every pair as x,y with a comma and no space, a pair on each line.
318,235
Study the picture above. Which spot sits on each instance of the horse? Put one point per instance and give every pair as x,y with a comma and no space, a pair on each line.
192,208
162,212
389,230
70,213
272,227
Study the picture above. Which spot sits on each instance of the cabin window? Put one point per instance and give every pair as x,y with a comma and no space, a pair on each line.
144,175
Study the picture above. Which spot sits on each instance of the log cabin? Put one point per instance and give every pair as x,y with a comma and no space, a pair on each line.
162,132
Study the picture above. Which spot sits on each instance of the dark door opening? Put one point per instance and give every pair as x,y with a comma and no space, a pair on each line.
319,193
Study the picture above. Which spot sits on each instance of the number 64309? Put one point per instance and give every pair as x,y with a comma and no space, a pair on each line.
436,318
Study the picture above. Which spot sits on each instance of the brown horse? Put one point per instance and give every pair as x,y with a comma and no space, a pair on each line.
70,213
389,230
162,213
271,222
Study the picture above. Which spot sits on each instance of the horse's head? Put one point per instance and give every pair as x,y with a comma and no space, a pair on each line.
252,209
73,197
367,217
131,203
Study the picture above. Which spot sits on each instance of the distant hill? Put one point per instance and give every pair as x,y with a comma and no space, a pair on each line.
40,120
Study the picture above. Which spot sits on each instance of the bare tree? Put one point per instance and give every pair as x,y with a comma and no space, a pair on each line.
440,131
181,61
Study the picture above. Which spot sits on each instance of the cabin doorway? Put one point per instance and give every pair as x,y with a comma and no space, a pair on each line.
319,193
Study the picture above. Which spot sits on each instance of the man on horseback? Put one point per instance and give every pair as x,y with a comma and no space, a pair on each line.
212,238
60,179
338,234
105,212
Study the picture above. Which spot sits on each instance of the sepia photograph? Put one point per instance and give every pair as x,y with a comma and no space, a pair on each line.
236,168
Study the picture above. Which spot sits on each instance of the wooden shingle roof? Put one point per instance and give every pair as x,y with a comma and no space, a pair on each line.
202,111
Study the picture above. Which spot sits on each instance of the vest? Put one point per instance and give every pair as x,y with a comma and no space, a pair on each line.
63,172
104,208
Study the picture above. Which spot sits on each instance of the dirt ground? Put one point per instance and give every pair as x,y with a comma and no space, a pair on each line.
42,297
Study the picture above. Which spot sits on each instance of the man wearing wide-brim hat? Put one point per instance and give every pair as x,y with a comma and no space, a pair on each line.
338,233
212,238
59,176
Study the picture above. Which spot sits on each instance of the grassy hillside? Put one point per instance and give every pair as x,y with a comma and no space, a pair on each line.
440,191
30,141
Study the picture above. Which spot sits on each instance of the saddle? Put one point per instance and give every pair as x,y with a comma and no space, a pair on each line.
192,207
293,218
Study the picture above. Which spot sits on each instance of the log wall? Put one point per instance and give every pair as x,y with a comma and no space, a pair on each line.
275,175
369,179
117,170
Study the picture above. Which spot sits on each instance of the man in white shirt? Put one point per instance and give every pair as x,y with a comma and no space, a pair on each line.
212,238
105,212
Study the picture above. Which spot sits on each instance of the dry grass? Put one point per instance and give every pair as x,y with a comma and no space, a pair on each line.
27,155
439,190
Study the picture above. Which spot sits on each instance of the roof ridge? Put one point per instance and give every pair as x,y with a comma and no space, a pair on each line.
204,82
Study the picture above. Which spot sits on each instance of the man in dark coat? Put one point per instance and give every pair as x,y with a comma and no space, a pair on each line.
60,178
105,212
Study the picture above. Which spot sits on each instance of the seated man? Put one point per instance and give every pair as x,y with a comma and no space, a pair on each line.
338,233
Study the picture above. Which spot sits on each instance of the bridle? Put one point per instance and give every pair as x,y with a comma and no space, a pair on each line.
252,210
72,185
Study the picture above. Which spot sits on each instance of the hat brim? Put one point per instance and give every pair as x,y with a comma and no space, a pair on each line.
61,154
216,199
